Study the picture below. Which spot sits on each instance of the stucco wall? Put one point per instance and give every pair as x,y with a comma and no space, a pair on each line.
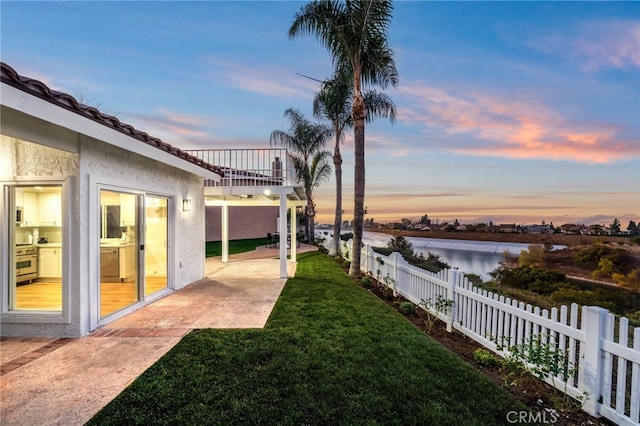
34,161
104,164
98,163
244,222
30,159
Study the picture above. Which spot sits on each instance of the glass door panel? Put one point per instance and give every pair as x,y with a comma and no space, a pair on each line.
155,253
118,251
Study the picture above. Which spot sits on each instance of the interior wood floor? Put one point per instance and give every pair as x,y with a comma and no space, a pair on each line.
47,294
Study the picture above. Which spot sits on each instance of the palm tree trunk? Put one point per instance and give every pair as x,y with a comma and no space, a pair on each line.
359,113
311,212
337,222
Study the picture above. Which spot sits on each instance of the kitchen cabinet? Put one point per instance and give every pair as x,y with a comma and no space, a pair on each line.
128,209
127,262
49,262
29,209
19,198
50,209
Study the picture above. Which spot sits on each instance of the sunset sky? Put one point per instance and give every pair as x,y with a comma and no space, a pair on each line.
508,112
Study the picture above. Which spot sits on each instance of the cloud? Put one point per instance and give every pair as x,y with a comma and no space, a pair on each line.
474,123
596,45
263,79
174,128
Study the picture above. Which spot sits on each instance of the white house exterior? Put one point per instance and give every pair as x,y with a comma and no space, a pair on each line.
112,218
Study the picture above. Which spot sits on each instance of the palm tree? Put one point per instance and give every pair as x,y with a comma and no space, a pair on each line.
333,102
355,33
305,142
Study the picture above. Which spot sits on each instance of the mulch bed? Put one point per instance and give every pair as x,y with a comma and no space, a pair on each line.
532,392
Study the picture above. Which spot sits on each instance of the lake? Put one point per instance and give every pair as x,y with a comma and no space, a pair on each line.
471,257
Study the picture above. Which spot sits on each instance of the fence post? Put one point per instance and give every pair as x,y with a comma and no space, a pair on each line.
367,258
590,375
396,259
451,295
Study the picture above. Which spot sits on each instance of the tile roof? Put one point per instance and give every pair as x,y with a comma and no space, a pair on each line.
37,88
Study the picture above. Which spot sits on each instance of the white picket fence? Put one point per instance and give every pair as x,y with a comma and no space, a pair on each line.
605,364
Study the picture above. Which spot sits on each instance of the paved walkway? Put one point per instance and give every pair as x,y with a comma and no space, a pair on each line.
66,381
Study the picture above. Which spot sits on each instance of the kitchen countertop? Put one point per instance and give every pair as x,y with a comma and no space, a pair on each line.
51,245
127,244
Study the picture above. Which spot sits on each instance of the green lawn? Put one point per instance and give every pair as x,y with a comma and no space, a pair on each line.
331,354
214,248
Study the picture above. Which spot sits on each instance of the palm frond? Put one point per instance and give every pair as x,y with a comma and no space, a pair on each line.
379,105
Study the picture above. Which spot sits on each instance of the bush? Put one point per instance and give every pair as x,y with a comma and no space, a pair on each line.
485,358
604,260
541,281
407,308
474,279
533,256
401,245
346,236
366,282
387,293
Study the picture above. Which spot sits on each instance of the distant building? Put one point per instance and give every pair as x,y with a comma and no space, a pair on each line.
573,229
509,228
539,229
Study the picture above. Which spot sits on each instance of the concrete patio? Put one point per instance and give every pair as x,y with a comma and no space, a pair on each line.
66,381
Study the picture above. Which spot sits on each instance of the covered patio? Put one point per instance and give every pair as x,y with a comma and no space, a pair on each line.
256,177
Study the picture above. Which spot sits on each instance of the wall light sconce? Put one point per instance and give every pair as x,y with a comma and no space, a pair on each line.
186,205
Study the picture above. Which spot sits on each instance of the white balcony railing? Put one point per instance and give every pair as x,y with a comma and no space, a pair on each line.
250,167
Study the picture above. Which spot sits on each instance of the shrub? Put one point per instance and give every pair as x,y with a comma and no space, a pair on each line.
346,236
387,293
407,308
366,282
533,256
541,281
604,260
485,358
630,281
401,245
440,306
474,279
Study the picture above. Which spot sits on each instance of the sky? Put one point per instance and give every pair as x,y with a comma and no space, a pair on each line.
509,112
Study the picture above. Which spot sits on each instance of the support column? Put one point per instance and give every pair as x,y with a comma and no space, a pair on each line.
294,234
283,236
225,233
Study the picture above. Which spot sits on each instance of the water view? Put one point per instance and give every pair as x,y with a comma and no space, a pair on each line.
471,257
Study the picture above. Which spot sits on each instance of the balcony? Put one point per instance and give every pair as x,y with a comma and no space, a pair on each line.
249,173
250,167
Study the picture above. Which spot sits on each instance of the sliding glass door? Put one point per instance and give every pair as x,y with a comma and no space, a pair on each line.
133,248
156,244
119,251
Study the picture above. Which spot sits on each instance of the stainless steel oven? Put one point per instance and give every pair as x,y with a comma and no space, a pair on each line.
26,263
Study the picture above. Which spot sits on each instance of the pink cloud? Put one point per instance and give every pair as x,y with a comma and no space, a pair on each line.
264,80
513,127
174,128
